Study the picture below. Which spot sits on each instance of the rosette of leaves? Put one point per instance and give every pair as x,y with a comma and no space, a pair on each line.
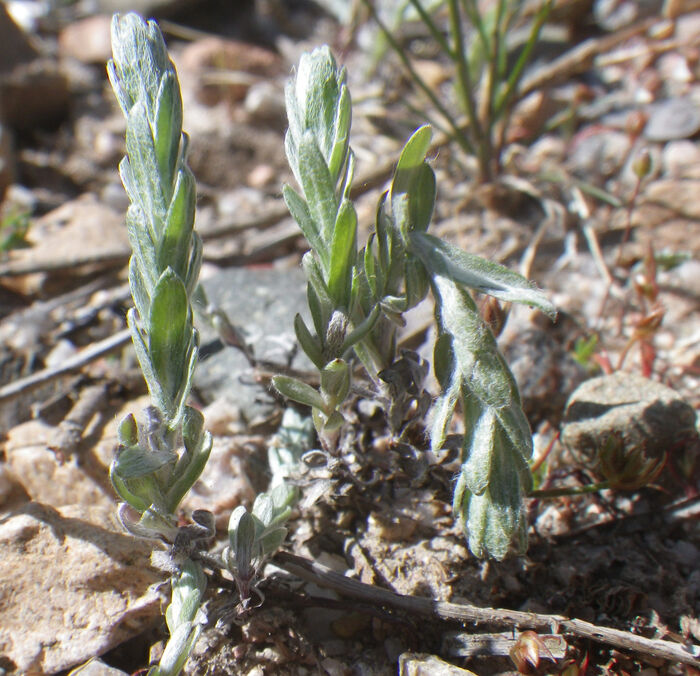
256,535
161,457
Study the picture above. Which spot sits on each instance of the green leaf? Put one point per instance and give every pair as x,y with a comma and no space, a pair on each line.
318,187
191,469
142,245
370,269
341,126
450,382
139,290
136,462
170,332
312,97
422,198
411,161
194,265
177,650
361,330
298,391
450,262
144,165
242,529
158,396
417,282
335,383
309,343
137,493
272,539
263,509
497,440
174,246
320,303
343,255
188,589
167,128
300,213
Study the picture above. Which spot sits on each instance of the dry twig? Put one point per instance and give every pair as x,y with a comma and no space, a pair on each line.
75,363
312,571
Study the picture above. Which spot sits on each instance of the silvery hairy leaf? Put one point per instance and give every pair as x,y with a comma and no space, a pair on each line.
298,391
318,102
243,552
497,440
449,261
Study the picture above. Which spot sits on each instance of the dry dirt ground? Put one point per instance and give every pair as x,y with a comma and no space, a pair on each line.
618,255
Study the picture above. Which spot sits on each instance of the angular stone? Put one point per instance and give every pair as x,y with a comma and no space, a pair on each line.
644,413
72,587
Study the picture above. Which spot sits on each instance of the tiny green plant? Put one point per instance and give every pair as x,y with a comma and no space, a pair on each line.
486,81
161,456
357,298
14,227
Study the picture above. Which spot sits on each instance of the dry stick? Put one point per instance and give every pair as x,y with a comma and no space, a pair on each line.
580,58
75,363
312,571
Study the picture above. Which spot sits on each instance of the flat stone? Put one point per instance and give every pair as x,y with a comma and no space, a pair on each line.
679,196
73,587
262,302
644,413
78,228
47,478
34,95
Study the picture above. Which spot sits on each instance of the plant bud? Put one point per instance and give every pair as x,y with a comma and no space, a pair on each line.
526,652
128,431
335,333
642,164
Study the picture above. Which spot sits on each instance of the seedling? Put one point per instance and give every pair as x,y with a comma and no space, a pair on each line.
161,457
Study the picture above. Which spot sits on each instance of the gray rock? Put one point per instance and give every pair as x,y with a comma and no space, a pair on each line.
644,413
672,119
72,587
262,303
